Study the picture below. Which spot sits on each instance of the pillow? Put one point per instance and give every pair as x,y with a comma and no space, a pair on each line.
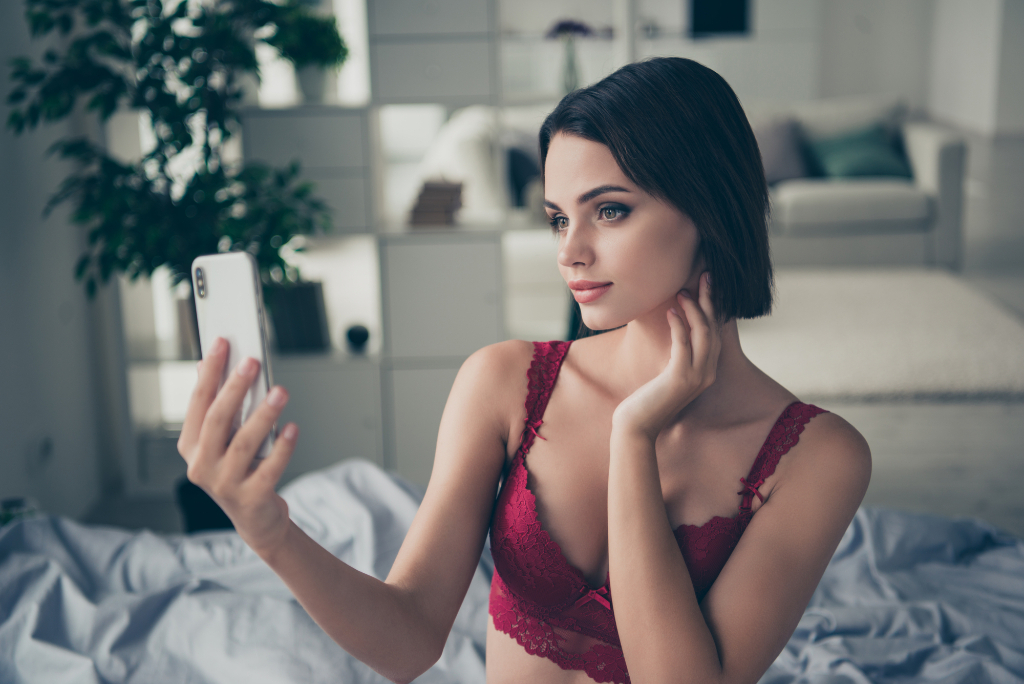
832,117
779,142
864,152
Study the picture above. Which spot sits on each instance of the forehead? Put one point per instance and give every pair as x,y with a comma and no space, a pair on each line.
575,165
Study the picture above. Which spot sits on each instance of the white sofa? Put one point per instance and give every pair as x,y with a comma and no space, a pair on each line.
866,220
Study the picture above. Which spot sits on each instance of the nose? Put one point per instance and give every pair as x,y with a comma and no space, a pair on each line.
574,248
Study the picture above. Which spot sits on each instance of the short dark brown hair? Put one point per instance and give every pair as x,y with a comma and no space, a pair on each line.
679,133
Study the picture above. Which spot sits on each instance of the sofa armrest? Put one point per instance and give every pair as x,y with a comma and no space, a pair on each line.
937,156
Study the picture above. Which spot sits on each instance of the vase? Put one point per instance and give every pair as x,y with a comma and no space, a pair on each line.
312,82
570,74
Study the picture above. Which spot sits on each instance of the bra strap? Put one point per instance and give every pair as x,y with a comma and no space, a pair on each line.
547,361
783,436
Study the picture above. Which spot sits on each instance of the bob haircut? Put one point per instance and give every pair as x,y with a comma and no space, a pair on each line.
678,132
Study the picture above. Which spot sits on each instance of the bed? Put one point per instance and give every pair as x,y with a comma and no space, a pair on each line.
906,598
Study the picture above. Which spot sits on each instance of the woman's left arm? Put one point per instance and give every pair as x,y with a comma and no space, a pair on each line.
753,607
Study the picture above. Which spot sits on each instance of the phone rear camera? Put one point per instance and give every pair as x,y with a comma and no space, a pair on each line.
200,283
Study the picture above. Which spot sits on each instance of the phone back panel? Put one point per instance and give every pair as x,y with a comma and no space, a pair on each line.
232,307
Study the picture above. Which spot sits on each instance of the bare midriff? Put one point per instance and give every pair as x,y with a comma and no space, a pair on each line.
509,663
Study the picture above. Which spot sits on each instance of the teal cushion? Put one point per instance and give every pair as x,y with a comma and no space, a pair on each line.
865,152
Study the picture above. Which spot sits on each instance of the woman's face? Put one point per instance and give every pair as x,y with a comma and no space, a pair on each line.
623,253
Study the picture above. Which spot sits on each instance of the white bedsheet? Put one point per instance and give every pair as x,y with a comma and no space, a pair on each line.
906,599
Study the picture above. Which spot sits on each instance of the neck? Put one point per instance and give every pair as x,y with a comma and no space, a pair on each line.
642,351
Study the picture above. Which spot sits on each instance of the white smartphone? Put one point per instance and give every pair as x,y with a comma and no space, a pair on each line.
229,304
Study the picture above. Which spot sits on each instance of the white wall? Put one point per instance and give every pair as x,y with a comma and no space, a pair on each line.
778,61
1010,104
872,47
965,63
46,381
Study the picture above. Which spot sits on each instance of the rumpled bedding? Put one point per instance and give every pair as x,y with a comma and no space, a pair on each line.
906,598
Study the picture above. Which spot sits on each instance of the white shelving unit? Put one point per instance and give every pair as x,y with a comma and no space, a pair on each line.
442,300
440,291
433,51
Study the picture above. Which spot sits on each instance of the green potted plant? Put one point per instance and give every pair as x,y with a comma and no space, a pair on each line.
182,68
312,44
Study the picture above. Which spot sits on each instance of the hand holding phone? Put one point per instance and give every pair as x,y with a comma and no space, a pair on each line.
220,459
229,304
229,425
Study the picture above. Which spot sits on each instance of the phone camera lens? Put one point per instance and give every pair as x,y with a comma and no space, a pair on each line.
200,283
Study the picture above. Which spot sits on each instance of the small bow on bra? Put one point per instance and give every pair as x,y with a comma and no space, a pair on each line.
749,491
594,595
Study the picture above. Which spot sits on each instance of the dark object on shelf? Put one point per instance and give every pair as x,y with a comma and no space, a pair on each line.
188,329
521,170
437,204
719,17
198,511
298,315
357,336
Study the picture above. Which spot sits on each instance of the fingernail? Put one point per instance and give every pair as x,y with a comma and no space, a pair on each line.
219,345
290,432
674,311
277,397
248,367
686,294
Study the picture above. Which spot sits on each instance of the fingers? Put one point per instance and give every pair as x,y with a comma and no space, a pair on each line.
251,435
219,420
203,395
700,315
272,467
680,330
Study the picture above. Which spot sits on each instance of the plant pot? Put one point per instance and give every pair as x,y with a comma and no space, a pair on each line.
312,82
298,317
188,329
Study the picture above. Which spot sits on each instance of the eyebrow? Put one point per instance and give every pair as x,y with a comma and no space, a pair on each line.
589,195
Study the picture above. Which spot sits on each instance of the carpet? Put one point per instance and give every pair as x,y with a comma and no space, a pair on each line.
879,334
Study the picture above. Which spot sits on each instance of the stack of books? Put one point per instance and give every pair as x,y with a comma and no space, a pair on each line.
437,204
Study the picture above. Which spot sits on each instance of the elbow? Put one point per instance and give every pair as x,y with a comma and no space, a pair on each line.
406,672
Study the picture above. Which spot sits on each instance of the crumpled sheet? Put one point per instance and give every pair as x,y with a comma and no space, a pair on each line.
907,598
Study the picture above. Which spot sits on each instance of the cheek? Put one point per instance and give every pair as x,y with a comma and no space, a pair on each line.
661,265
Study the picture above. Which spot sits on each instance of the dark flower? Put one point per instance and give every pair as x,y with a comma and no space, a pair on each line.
569,27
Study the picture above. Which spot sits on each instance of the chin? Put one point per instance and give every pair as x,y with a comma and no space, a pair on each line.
601,320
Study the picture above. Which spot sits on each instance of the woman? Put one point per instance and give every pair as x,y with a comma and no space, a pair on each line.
638,438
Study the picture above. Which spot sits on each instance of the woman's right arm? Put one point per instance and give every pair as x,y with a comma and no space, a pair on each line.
399,626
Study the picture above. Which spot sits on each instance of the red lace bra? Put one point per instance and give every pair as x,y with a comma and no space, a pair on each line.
545,603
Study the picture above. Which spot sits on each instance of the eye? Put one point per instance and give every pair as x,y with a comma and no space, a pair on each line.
558,224
611,212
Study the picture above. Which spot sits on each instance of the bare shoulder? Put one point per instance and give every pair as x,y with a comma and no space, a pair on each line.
494,381
498,369
833,454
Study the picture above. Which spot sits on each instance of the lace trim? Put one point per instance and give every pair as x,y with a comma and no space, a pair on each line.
785,433
602,662
547,361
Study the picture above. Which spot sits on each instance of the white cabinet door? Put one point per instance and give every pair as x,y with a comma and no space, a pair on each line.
335,401
319,137
418,397
436,17
348,198
458,71
442,294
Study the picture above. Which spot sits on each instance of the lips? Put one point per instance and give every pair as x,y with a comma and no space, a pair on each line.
587,291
